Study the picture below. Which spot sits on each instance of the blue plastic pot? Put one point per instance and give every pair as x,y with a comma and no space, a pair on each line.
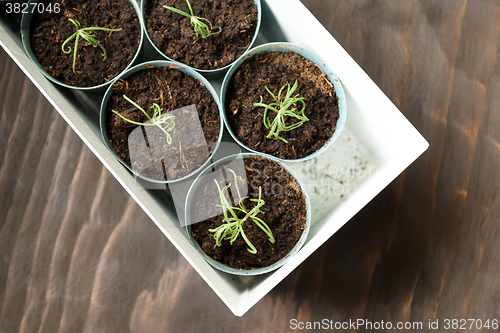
146,65
226,268
25,37
212,73
289,47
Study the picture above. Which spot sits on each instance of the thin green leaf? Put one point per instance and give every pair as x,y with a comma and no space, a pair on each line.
233,227
199,27
91,40
165,121
281,108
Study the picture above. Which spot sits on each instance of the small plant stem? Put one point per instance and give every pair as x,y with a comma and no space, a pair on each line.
237,187
199,27
281,107
233,225
91,40
158,118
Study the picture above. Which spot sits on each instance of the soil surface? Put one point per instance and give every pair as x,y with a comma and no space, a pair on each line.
173,34
274,70
197,123
285,212
48,31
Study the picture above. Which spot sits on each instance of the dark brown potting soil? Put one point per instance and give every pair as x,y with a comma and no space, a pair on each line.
48,31
273,70
285,212
173,34
175,92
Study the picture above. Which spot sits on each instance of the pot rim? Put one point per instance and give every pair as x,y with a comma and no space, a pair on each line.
145,65
310,55
25,37
257,271
209,72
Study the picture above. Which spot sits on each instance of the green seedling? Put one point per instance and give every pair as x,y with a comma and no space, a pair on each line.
164,121
91,40
281,107
199,27
233,225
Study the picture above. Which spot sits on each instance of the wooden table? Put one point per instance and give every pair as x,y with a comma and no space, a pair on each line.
78,255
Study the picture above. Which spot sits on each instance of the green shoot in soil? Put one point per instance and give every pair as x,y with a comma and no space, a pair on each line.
233,225
91,40
199,27
281,108
165,121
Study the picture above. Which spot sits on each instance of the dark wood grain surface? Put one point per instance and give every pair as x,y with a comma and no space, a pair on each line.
77,254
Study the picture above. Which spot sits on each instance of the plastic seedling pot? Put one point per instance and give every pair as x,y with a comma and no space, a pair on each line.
25,37
308,54
213,170
160,63
213,73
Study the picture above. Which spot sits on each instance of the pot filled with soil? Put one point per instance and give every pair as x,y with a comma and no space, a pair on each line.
282,100
247,214
206,35
161,120
82,44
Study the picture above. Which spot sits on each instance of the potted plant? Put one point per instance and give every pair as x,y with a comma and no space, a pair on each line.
82,44
207,35
282,100
161,120
247,214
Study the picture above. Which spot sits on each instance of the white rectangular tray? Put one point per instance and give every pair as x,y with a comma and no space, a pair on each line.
377,144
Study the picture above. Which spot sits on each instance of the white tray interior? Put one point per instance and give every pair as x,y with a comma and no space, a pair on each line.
377,144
